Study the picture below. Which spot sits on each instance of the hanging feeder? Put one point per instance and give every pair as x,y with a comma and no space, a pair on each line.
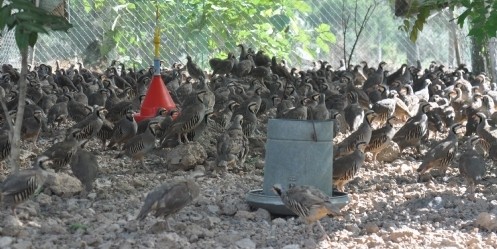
303,156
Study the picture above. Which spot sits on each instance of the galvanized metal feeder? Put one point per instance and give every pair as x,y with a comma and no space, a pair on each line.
298,152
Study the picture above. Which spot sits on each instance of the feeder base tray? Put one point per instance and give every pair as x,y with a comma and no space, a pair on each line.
274,205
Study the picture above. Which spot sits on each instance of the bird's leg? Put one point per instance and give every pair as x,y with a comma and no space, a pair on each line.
325,234
179,138
14,212
142,160
186,138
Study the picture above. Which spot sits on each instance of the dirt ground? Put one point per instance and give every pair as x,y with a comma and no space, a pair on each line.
388,209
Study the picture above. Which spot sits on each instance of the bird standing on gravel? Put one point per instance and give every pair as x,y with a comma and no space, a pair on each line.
345,168
137,147
169,198
17,188
124,130
91,125
232,146
84,166
362,134
472,165
415,128
443,154
380,138
308,202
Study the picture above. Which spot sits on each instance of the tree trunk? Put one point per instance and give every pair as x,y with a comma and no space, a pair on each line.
15,151
492,48
477,58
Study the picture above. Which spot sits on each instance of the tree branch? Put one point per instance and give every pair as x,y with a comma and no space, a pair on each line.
367,16
345,24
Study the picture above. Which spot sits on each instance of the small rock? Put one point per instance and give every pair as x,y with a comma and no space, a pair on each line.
23,245
403,234
11,226
6,241
212,221
390,153
213,209
292,246
353,228
172,241
260,164
371,228
92,196
245,244
262,214
185,156
113,228
162,226
487,221
64,185
51,227
310,243
279,221
245,215
43,199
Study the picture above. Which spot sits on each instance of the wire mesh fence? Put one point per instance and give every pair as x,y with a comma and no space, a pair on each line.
299,32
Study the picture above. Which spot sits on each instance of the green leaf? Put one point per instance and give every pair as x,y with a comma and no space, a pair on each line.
302,6
323,28
461,18
5,12
21,39
33,37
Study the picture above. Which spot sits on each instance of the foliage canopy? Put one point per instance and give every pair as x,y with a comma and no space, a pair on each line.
482,16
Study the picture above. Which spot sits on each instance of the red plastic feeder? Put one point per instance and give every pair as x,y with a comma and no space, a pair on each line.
157,96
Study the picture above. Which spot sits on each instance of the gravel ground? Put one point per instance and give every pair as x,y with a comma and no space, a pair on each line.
388,209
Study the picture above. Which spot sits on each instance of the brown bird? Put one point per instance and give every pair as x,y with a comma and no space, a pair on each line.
91,125
443,154
169,198
193,69
140,145
380,138
308,202
233,145
345,168
472,166
190,117
414,129
31,127
362,134
61,153
18,187
84,166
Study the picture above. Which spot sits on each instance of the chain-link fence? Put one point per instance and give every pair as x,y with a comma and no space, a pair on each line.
298,31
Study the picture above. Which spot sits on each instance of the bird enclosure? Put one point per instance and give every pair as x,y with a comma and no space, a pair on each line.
298,31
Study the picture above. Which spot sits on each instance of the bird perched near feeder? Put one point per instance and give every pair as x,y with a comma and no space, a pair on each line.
345,168
124,130
169,198
233,145
191,116
137,147
380,138
362,134
18,187
308,202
